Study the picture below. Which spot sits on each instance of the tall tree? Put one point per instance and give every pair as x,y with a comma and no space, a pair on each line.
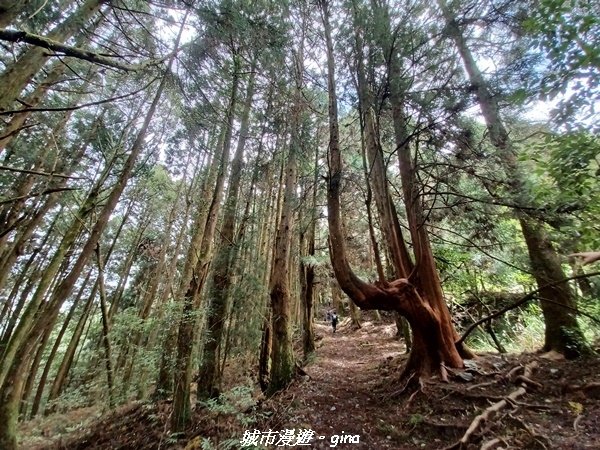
433,345
562,330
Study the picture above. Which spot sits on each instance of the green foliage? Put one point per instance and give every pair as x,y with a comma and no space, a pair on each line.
567,174
568,33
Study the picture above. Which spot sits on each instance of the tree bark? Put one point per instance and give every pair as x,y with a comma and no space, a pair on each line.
191,302
209,377
431,352
10,10
35,407
67,360
16,76
282,353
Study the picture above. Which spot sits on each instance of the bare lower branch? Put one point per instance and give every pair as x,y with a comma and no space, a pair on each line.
83,105
41,41
37,172
522,301
35,194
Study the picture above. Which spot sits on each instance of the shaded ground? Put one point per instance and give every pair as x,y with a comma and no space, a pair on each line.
349,390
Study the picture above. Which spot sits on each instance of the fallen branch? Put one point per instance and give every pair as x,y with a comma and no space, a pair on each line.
586,257
576,422
491,411
489,445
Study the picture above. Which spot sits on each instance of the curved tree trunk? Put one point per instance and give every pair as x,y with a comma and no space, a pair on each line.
433,344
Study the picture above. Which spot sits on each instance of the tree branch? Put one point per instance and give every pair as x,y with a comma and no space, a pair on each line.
40,41
521,301
37,172
76,107
35,194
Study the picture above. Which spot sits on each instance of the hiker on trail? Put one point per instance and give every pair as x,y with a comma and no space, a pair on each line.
334,320
328,316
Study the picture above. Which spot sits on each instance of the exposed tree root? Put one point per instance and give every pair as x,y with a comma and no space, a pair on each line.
494,409
591,390
489,445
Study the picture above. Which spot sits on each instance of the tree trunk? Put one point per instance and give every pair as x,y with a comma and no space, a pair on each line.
67,361
17,75
282,353
562,330
10,10
433,350
9,257
35,407
164,384
209,375
191,302
264,360
105,327
32,372
18,120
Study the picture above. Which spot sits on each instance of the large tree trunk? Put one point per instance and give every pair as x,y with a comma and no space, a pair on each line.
282,353
434,347
562,331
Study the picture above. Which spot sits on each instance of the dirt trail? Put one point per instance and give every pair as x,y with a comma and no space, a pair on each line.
341,397
351,390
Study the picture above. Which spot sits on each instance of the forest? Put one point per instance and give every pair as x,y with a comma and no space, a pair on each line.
191,190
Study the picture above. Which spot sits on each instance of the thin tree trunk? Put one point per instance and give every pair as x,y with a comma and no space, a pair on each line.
67,360
266,343
32,372
105,327
164,384
209,377
17,75
191,302
35,407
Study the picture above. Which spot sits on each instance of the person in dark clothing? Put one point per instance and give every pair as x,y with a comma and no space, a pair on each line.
334,321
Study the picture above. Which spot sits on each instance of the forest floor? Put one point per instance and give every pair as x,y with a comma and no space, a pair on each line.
349,398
